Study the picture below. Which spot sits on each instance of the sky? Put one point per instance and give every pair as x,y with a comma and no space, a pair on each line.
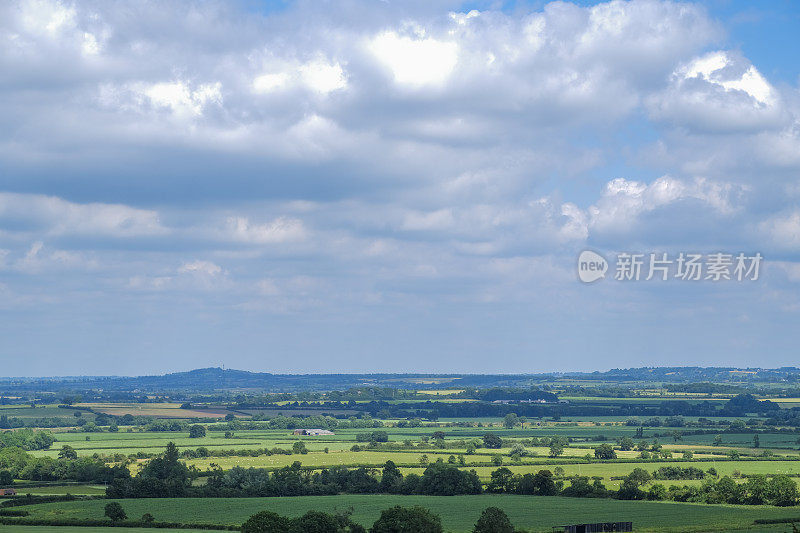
382,186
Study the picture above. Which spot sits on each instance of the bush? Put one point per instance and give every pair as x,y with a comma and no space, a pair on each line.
197,431
299,447
311,522
490,440
115,512
493,520
267,522
605,452
407,520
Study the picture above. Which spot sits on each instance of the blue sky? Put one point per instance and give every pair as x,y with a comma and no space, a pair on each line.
393,187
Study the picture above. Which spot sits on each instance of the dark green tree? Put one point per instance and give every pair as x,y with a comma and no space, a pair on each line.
67,452
115,512
605,451
502,480
391,478
493,520
197,431
407,520
511,420
490,440
267,522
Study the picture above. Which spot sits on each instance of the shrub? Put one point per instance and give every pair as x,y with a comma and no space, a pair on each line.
197,431
115,512
493,520
267,522
407,520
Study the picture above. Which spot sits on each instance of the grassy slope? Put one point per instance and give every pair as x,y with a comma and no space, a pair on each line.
459,513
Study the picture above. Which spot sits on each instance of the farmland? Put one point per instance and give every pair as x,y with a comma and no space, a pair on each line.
666,460
458,512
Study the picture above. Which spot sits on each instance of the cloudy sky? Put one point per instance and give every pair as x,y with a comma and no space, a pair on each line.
393,186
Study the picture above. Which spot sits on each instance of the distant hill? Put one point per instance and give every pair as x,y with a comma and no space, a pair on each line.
218,379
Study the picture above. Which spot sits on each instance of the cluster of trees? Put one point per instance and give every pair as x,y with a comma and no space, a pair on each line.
166,476
372,436
438,479
778,490
759,489
397,519
13,422
202,451
27,439
676,472
16,463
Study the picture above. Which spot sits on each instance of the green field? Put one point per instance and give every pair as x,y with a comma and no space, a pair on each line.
459,513
68,529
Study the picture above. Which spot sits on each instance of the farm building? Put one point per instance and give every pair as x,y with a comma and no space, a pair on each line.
8,492
313,432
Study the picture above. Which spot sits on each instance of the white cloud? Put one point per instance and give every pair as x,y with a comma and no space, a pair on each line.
415,61
441,219
47,17
180,99
200,267
783,230
719,91
55,216
282,229
718,68
624,201
270,81
323,77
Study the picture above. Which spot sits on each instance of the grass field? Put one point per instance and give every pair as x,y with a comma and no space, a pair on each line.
63,529
458,513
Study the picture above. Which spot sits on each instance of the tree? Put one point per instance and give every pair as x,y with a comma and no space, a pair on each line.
657,492
490,440
756,441
540,484
502,480
626,444
67,452
197,431
640,476
605,451
299,447
115,512
782,491
511,420
757,490
267,522
6,478
391,479
316,522
407,520
147,518
493,520
556,448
